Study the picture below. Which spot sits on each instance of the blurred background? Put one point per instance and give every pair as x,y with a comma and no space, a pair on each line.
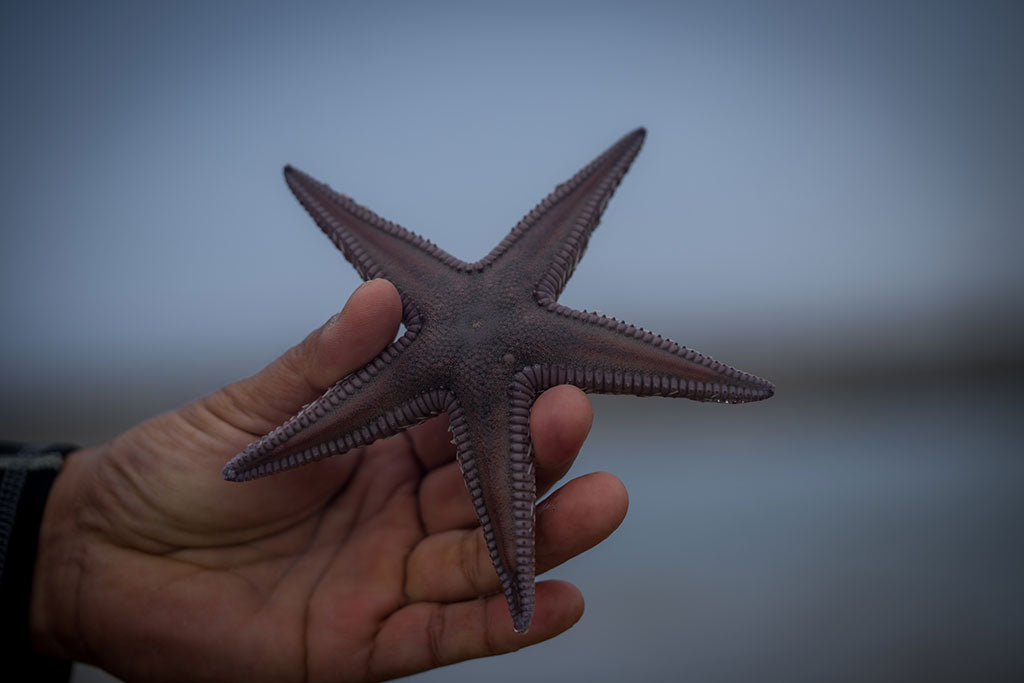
830,196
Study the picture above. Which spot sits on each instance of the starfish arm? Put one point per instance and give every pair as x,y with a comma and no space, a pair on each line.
375,246
560,226
348,415
607,356
495,454
490,337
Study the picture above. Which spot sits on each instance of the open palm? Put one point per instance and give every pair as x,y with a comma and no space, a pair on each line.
365,566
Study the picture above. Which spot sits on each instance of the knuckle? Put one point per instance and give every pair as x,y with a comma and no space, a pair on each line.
471,553
435,637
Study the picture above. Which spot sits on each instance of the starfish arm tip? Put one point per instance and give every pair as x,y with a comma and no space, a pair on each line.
541,251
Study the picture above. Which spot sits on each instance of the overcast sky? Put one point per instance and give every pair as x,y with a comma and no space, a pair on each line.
839,178
809,165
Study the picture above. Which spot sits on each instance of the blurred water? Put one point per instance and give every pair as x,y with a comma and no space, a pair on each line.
855,534
824,166
827,188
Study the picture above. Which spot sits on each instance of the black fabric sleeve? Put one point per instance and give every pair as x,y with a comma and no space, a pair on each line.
27,473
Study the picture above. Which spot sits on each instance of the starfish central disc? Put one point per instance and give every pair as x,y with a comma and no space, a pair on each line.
482,340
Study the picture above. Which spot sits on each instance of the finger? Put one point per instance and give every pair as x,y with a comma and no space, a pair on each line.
559,424
455,565
432,443
427,635
344,343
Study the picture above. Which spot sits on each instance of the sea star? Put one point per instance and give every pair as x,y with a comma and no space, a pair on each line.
482,340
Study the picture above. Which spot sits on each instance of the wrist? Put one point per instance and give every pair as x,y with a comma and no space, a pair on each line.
53,607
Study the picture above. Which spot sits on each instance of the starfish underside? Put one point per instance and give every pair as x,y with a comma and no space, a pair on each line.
482,340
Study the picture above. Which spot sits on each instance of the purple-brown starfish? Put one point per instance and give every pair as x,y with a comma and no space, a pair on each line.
482,341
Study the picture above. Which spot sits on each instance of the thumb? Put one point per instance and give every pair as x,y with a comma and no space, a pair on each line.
346,342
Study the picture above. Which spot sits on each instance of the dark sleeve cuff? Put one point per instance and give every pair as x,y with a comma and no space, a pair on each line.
26,474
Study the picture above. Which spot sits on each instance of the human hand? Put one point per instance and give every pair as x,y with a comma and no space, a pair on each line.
363,566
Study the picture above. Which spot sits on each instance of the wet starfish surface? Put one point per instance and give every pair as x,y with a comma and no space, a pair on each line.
482,340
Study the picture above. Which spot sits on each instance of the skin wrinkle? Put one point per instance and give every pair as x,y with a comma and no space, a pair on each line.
155,589
76,609
300,361
506,303
411,443
234,411
485,626
433,479
72,570
437,451
311,543
371,650
472,548
371,565
296,363
266,604
79,618
355,463
267,594
253,590
115,476
355,467
379,499
260,549
468,559
437,624
435,635
307,606
437,481
365,516
94,517
204,417
255,544
399,481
